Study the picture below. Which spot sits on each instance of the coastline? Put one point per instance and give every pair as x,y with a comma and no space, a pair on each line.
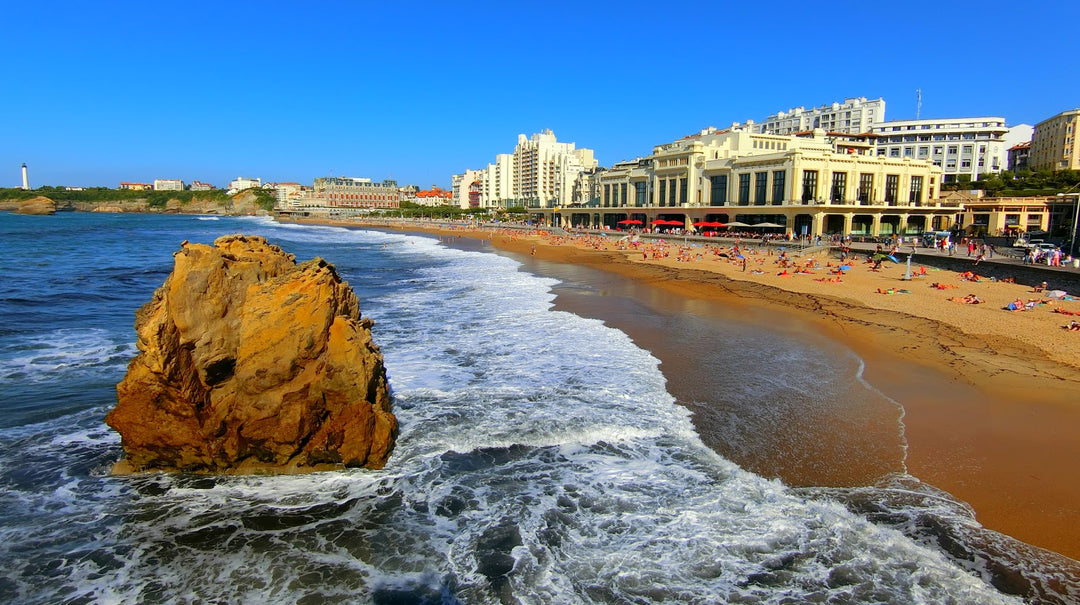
987,417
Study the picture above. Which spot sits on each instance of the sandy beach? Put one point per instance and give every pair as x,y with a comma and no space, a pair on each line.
988,395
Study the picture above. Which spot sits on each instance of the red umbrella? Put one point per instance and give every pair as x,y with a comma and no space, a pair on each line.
630,221
663,222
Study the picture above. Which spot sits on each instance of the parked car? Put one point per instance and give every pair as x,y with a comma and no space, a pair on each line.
1045,247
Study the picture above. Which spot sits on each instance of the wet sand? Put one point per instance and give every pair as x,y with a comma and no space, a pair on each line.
988,397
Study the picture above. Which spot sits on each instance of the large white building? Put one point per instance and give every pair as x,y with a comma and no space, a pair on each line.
854,116
964,148
241,183
541,173
168,185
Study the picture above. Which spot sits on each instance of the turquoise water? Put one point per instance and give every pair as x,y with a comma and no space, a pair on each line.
540,460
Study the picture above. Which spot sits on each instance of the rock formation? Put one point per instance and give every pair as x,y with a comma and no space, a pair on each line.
250,362
36,205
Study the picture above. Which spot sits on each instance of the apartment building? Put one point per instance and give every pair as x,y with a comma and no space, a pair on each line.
541,173
854,116
964,148
359,193
1054,144
200,186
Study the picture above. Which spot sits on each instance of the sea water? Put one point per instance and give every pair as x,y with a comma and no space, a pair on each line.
540,459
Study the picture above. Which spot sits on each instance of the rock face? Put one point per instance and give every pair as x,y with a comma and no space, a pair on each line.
251,363
37,205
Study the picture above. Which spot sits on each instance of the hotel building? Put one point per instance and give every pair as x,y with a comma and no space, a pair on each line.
1054,144
356,193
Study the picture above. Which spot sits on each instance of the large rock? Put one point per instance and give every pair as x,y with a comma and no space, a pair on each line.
250,362
37,205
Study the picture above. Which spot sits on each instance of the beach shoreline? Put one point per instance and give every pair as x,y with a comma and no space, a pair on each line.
986,416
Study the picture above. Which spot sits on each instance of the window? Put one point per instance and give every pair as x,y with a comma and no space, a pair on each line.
924,152
682,191
744,189
894,152
839,186
607,195
953,149
639,194
866,189
671,192
615,195
778,177
892,186
663,190
718,195
915,198
625,202
809,186
761,184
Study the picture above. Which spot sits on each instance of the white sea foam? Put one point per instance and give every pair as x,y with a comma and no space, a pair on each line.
50,356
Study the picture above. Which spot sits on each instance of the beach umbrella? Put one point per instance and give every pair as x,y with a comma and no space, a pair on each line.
737,224
630,221
770,225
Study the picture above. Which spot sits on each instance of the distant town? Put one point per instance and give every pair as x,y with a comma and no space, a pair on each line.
836,168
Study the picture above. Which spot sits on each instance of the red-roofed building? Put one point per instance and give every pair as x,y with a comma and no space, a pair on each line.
432,197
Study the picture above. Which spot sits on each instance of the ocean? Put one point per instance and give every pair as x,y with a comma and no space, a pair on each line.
541,458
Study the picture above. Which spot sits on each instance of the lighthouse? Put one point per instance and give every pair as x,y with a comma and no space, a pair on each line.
25,178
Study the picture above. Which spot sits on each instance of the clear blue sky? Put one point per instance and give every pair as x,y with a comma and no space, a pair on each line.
95,93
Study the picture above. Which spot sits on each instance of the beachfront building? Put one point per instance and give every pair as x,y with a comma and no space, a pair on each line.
855,115
1056,215
964,148
1055,144
356,194
200,186
541,173
168,185
288,194
814,184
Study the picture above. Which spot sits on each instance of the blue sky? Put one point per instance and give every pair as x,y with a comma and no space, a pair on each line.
98,93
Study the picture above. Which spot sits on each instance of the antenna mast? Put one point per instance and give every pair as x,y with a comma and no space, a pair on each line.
918,102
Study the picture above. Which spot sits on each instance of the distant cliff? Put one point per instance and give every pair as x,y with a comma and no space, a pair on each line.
249,362
114,200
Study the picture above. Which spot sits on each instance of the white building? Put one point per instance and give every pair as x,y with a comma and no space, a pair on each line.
168,185
962,147
288,194
240,183
465,189
201,186
541,173
854,116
